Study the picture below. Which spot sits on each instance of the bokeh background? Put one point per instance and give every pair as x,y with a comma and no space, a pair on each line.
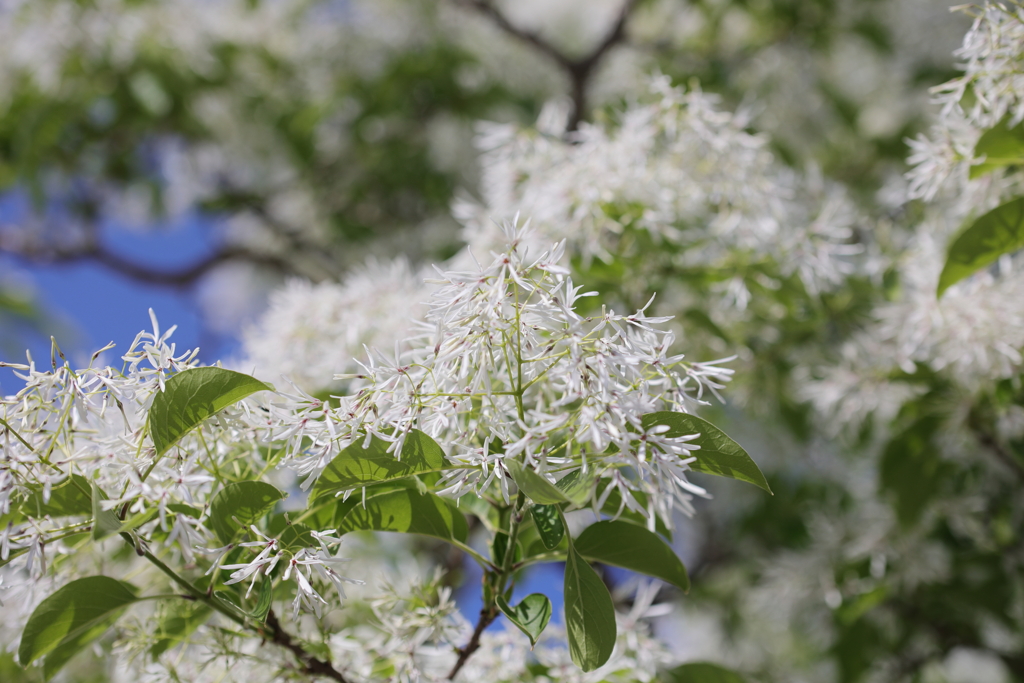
200,158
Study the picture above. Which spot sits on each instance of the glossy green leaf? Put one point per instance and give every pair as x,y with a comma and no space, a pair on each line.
104,522
998,232
536,487
613,508
408,512
718,454
191,396
73,496
265,599
626,545
71,611
549,524
178,624
577,486
530,616
238,505
499,546
700,672
589,614
1001,146
356,467
72,645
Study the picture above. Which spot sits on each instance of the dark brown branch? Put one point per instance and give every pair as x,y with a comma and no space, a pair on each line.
310,664
996,449
487,616
182,277
579,70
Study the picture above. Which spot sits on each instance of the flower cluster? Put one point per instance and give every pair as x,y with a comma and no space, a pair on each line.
506,368
673,165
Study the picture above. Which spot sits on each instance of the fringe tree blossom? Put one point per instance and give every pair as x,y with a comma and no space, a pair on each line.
506,367
673,165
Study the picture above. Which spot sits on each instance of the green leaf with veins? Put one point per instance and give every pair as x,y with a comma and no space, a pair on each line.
191,396
530,616
356,466
626,545
1001,146
408,512
718,454
998,232
239,504
71,617
589,614
536,487
549,524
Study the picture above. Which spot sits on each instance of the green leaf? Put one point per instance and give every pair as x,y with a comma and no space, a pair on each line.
355,466
700,672
264,601
549,524
718,453
178,624
72,645
239,504
576,486
626,545
530,616
589,614
71,611
1001,146
499,546
612,506
191,396
539,489
104,522
73,496
998,232
408,512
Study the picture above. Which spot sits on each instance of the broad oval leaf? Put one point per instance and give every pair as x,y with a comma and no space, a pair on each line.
193,395
548,521
589,614
104,522
577,486
175,626
264,600
409,512
73,496
531,616
613,508
357,466
701,672
626,545
998,232
718,453
536,487
1001,146
240,504
72,645
73,610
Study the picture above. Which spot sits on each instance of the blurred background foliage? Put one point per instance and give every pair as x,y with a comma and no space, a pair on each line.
308,136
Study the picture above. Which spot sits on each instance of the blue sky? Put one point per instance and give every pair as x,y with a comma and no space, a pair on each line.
90,305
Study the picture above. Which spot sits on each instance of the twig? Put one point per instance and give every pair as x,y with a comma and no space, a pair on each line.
996,448
579,70
487,616
310,664
183,277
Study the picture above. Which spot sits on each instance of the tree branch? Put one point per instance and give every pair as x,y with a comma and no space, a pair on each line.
996,449
487,616
579,70
310,664
92,250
